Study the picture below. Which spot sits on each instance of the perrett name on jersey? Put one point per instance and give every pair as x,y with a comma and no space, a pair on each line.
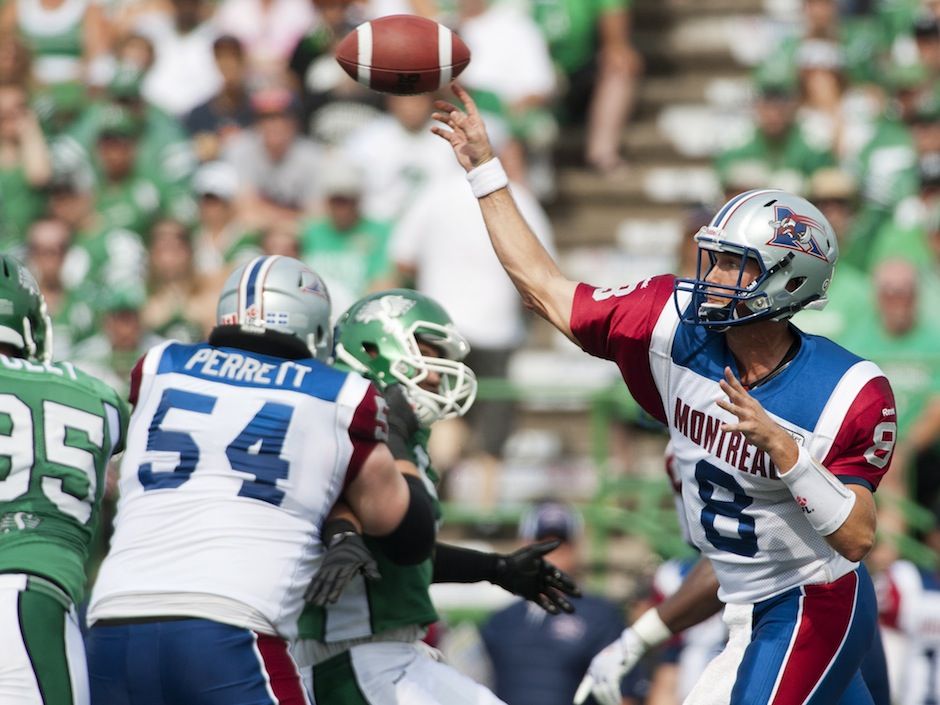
236,367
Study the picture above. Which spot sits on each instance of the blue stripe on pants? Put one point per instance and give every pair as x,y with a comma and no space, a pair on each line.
807,646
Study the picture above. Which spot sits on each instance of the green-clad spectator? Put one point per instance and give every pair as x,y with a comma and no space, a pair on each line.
908,232
111,354
860,38
332,108
905,343
181,303
101,258
69,39
220,242
349,250
123,198
835,194
777,140
896,17
25,166
888,165
60,427
926,31
164,155
589,41
358,633
58,106
48,244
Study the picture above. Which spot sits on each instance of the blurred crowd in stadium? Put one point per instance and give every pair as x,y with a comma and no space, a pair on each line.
147,147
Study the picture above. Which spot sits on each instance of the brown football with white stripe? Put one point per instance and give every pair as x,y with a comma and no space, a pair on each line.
403,54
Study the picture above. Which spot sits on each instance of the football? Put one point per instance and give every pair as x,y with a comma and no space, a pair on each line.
403,55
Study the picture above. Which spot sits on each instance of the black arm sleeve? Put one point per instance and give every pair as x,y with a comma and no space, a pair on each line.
413,540
453,564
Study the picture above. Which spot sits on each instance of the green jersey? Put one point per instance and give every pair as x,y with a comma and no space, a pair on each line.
20,205
350,260
133,204
795,152
58,428
849,296
570,27
861,42
887,164
399,599
910,362
164,154
102,263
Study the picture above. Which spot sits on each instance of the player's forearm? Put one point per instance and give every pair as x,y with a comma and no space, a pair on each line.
856,537
454,564
341,511
695,601
532,270
842,514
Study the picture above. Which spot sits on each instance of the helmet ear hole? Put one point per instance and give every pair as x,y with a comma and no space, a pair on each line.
371,349
795,283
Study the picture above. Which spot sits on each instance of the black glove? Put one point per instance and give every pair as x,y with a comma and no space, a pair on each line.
402,422
346,556
527,574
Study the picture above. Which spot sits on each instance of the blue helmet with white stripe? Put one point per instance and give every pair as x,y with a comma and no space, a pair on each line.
280,294
793,245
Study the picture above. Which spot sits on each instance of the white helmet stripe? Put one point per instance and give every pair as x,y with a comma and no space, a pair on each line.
732,207
259,283
246,294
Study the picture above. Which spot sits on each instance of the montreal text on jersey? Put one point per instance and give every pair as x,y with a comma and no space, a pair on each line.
705,431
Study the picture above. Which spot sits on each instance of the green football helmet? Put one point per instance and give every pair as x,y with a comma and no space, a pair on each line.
24,323
378,337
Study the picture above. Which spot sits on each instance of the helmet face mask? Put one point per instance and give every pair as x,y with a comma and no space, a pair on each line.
24,320
380,337
280,294
788,239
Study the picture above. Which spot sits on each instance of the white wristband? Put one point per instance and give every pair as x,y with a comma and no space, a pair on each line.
651,629
825,501
487,178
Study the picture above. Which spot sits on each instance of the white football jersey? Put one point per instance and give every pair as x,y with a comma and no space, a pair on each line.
233,461
909,601
739,513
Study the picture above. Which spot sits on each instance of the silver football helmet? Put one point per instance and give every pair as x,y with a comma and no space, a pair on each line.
790,240
280,294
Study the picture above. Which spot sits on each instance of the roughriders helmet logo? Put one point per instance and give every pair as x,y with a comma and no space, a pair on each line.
27,282
385,308
795,232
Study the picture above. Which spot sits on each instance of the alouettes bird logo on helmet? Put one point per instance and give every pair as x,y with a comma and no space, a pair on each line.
315,287
795,232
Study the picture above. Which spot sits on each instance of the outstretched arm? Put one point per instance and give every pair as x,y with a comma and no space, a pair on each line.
525,573
543,287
